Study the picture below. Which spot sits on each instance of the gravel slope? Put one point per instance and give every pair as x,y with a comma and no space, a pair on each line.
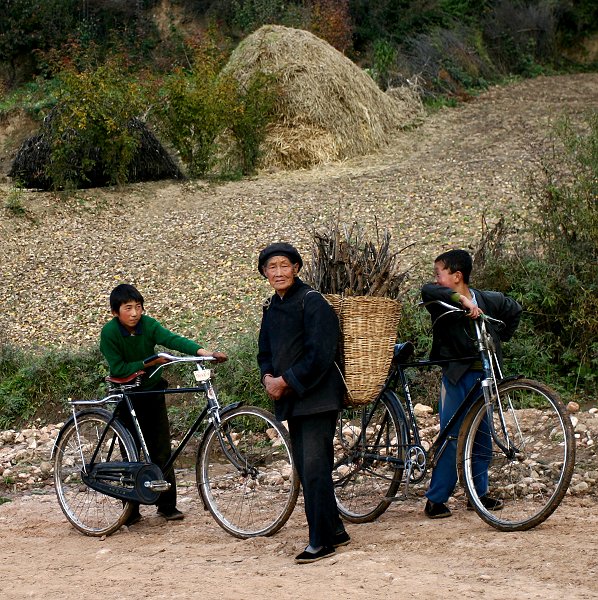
191,248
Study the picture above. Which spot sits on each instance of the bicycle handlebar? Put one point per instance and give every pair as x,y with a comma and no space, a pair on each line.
452,308
172,358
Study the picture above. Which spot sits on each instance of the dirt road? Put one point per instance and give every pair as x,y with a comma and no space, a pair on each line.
402,555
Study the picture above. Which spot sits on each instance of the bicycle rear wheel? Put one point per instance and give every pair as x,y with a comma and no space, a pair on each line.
89,511
245,473
533,477
369,446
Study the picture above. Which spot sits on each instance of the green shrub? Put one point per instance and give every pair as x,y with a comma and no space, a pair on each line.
254,110
90,125
550,264
203,107
193,110
238,379
38,385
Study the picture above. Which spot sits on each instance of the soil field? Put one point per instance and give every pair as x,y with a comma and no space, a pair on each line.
192,250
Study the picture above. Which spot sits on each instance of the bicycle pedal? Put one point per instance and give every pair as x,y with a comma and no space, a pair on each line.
158,485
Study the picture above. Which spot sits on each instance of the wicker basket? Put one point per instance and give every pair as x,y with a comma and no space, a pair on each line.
369,331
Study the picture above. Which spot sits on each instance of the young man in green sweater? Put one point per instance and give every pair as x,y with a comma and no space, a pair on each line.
126,342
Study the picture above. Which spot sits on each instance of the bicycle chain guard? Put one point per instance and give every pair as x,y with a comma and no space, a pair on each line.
128,481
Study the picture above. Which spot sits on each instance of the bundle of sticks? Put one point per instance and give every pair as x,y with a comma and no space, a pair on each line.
343,262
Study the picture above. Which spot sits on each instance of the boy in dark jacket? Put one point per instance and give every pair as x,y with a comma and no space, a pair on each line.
453,338
126,341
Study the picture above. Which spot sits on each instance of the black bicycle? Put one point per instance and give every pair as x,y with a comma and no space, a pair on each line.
521,426
244,469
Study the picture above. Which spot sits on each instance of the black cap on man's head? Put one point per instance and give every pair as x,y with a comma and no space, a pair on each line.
278,249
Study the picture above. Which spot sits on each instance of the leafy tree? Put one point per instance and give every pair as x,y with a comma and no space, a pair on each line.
26,26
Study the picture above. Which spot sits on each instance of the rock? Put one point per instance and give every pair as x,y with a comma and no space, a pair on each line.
573,407
582,486
45,468
422,409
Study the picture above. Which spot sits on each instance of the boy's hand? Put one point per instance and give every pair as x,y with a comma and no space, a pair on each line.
474,310
153,362
220,357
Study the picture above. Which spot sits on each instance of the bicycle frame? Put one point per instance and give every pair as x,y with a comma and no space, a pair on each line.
213,411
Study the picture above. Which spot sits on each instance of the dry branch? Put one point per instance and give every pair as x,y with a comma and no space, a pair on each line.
344,263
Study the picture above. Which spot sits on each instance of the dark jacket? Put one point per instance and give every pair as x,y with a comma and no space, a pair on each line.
454,334
299,336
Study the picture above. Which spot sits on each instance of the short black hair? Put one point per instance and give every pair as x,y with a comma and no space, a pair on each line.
457,260
122,294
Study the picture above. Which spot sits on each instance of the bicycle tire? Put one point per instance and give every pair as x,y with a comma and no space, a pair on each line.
257,499
533,482
364,486
89,511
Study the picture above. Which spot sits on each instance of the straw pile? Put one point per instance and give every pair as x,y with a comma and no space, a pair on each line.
329,108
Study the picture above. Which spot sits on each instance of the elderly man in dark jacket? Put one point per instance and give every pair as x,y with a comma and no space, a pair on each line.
298,342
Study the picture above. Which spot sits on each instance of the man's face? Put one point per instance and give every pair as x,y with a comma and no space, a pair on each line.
280,272
129,314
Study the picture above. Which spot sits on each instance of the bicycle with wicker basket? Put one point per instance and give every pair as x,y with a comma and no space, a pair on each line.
244,469
528,437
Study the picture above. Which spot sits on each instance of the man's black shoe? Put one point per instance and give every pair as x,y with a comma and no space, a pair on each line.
436,510
341,539
488,503
309,557
172,514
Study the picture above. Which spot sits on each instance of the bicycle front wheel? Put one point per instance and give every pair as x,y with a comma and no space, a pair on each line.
369,446
245,473
89,511
530,474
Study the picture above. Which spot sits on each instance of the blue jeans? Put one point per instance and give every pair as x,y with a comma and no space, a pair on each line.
444,476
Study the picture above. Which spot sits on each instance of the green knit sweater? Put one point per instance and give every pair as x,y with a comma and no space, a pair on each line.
125,352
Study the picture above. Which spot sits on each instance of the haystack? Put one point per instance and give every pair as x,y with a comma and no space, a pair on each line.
330,109
151,162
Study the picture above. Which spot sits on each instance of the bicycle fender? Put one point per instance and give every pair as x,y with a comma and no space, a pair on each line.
230,407
71,419
510,378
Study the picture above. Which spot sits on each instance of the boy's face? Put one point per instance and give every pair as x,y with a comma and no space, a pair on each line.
445,278
129,314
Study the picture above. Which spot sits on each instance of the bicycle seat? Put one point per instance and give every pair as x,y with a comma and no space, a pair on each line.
123,380
403,352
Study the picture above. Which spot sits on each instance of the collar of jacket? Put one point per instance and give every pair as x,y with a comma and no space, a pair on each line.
297,284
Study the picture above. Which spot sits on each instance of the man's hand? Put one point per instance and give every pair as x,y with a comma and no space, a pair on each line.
275,387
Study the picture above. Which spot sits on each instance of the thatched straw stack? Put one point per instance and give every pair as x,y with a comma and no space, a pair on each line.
330,109
150,162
